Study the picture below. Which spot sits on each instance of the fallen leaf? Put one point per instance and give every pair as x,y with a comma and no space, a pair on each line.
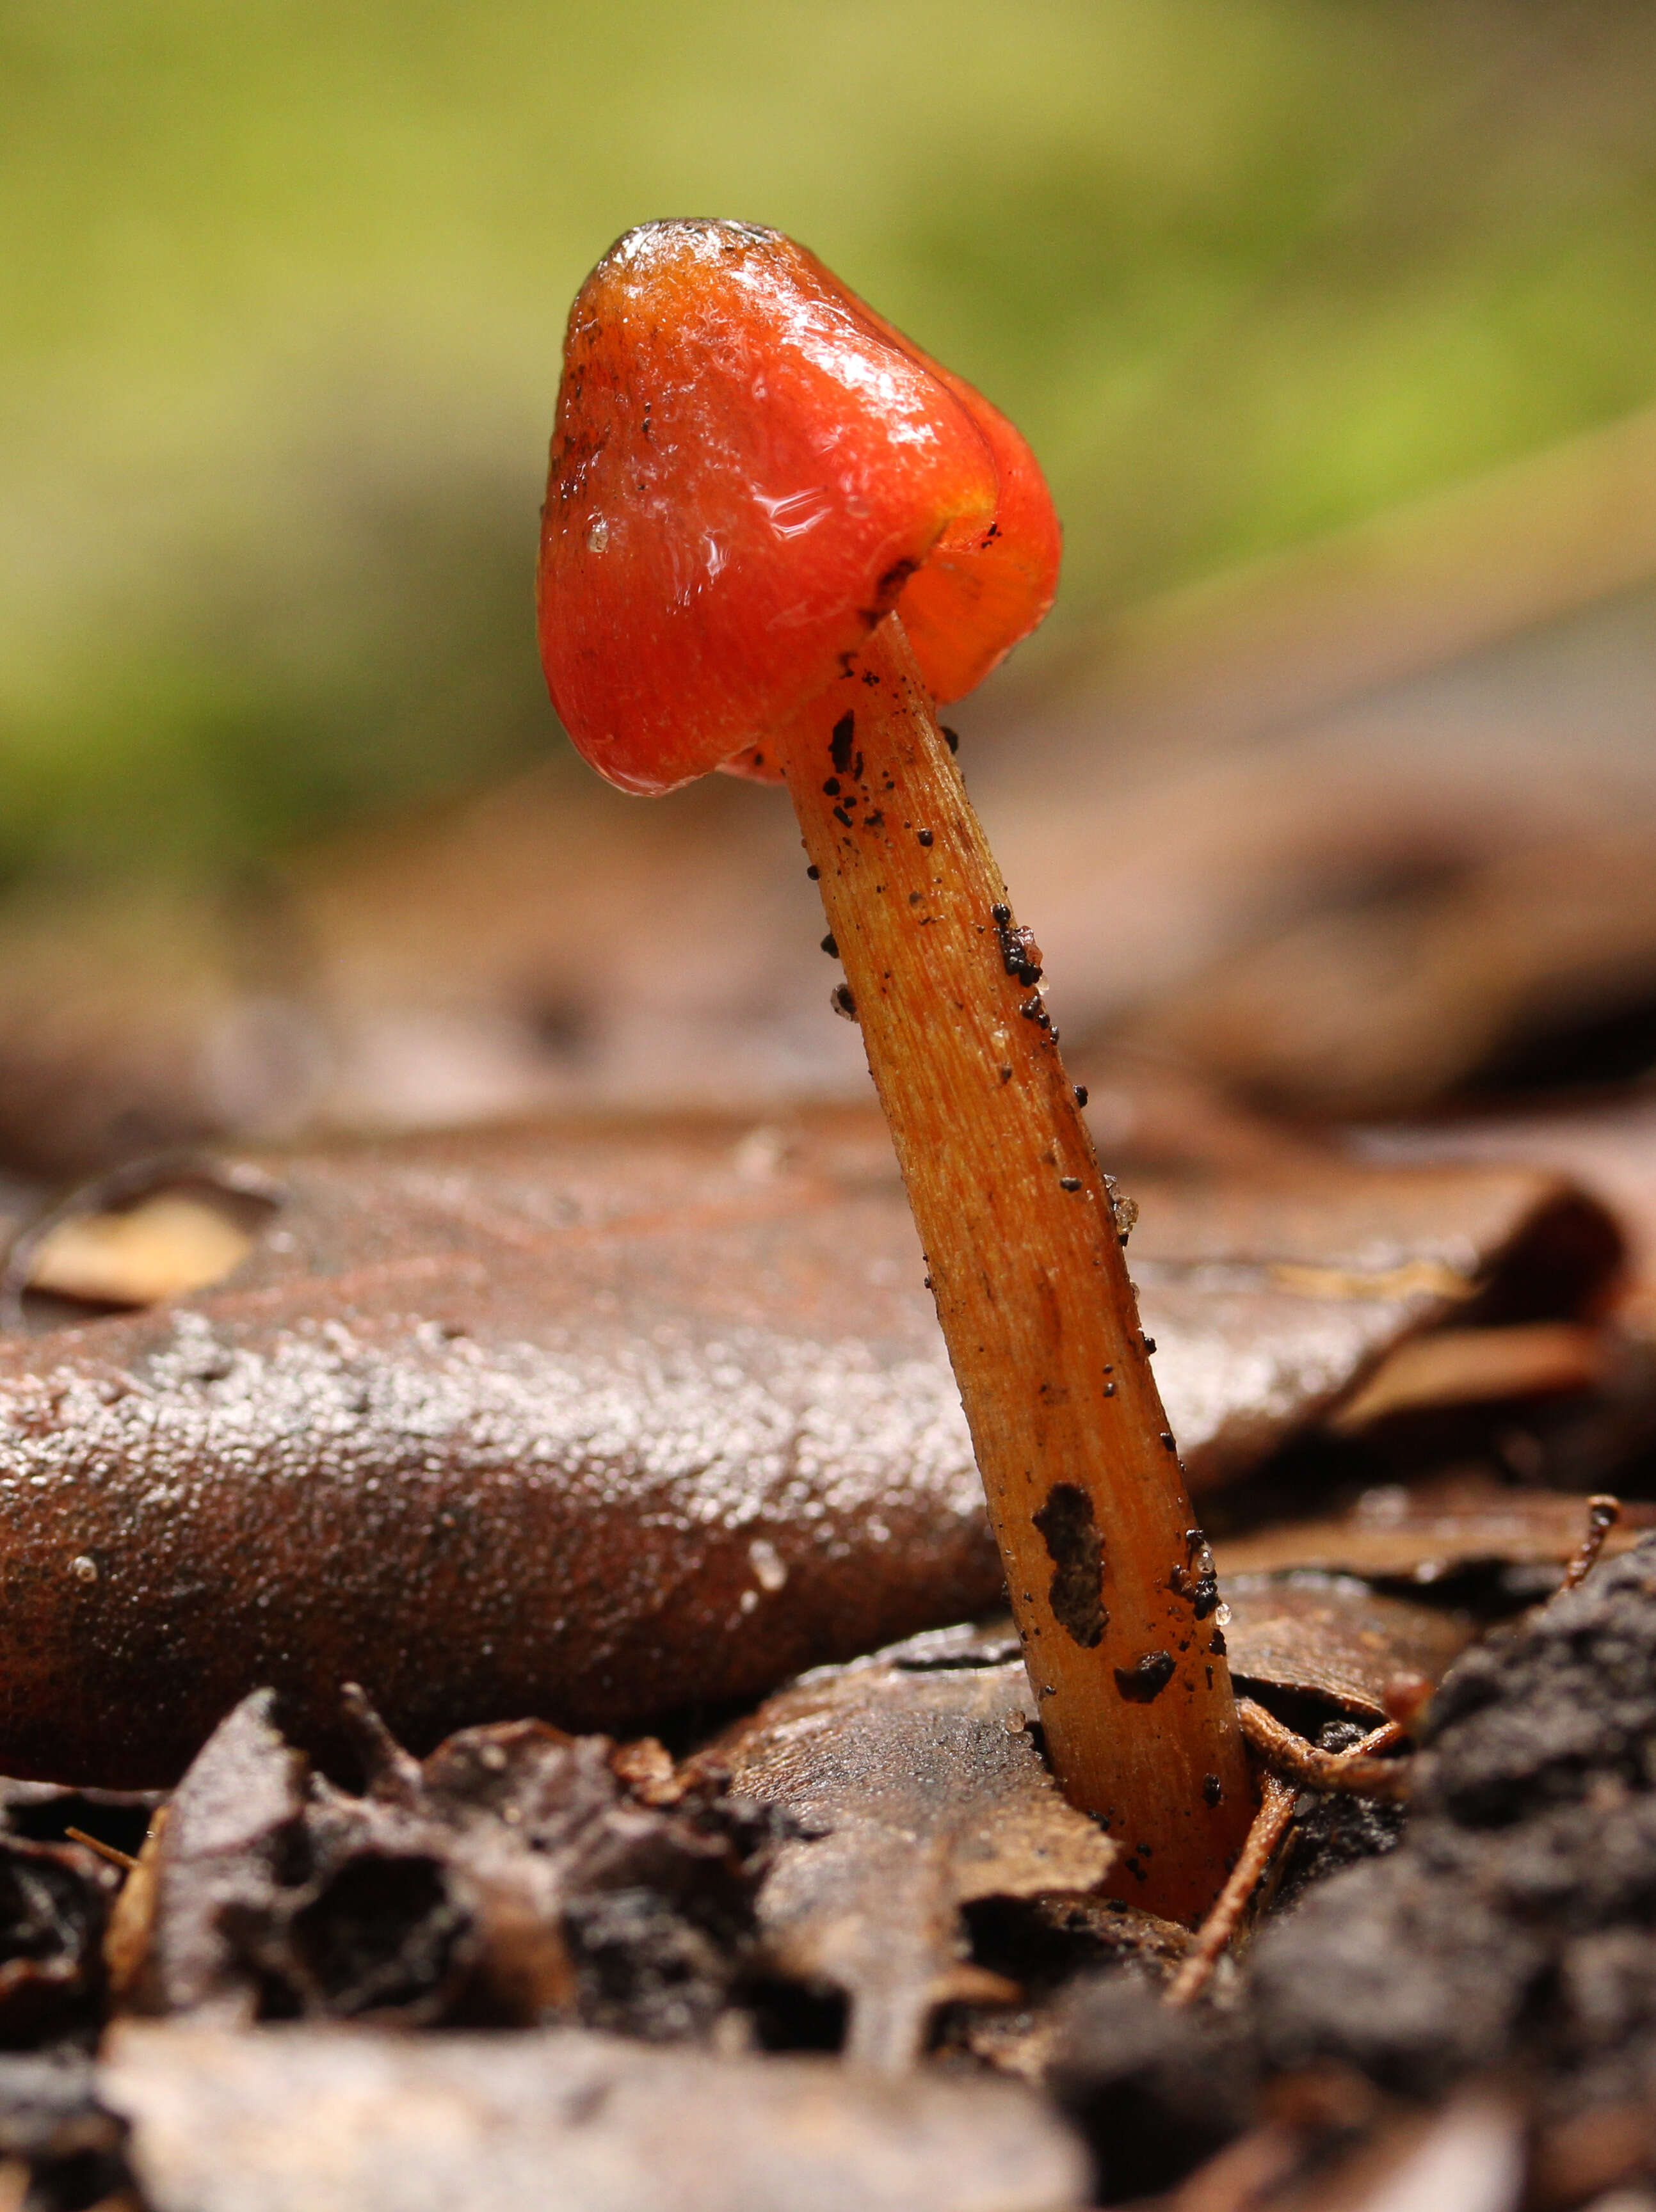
306,2119
600,1418
1608,1149
1333,1638
1276,1290
1424,1532
231,1839
1471,1366
919,1788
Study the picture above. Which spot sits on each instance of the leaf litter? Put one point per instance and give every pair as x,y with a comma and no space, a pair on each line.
915,1790
621,1411
876,1861
514,1876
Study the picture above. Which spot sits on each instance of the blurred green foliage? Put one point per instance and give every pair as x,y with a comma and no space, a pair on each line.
284,284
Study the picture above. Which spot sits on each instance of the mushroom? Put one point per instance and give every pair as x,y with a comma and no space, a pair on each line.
776,533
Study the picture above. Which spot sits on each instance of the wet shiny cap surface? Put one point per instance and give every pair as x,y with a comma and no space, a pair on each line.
749,469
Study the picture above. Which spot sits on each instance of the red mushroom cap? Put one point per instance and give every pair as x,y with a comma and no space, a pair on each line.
749,470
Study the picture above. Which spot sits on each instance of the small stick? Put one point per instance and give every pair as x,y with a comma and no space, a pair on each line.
1352,1771
1271,1825
1277,1799
1603,1513
124,1859
1244,2176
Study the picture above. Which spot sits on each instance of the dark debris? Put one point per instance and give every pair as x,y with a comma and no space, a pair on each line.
1515,1925
512,1877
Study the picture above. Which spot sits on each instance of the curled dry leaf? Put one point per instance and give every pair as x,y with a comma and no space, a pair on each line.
1426,1531
1331,1638
615,1416
512,1877
919,1788
1479,1366
1273,1288
1608,1149
302,2120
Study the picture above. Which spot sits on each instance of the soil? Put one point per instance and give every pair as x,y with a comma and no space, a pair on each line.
1517,1924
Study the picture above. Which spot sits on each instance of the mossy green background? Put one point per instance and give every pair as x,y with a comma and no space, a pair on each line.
284,282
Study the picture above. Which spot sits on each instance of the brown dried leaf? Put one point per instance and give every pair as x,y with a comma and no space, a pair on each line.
319,2120
614,1416
1326,1637
1424,1532
1273,1291
1382,1007
230,1834
1608,1149
1473,1366
919,1789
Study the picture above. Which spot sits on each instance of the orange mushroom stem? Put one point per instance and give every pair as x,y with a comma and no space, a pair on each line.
775,533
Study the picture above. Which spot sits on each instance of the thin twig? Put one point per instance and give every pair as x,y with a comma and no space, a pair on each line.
1355,1772
1603,1513
1332,1770
1245,2174
104,1851
1271,1825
